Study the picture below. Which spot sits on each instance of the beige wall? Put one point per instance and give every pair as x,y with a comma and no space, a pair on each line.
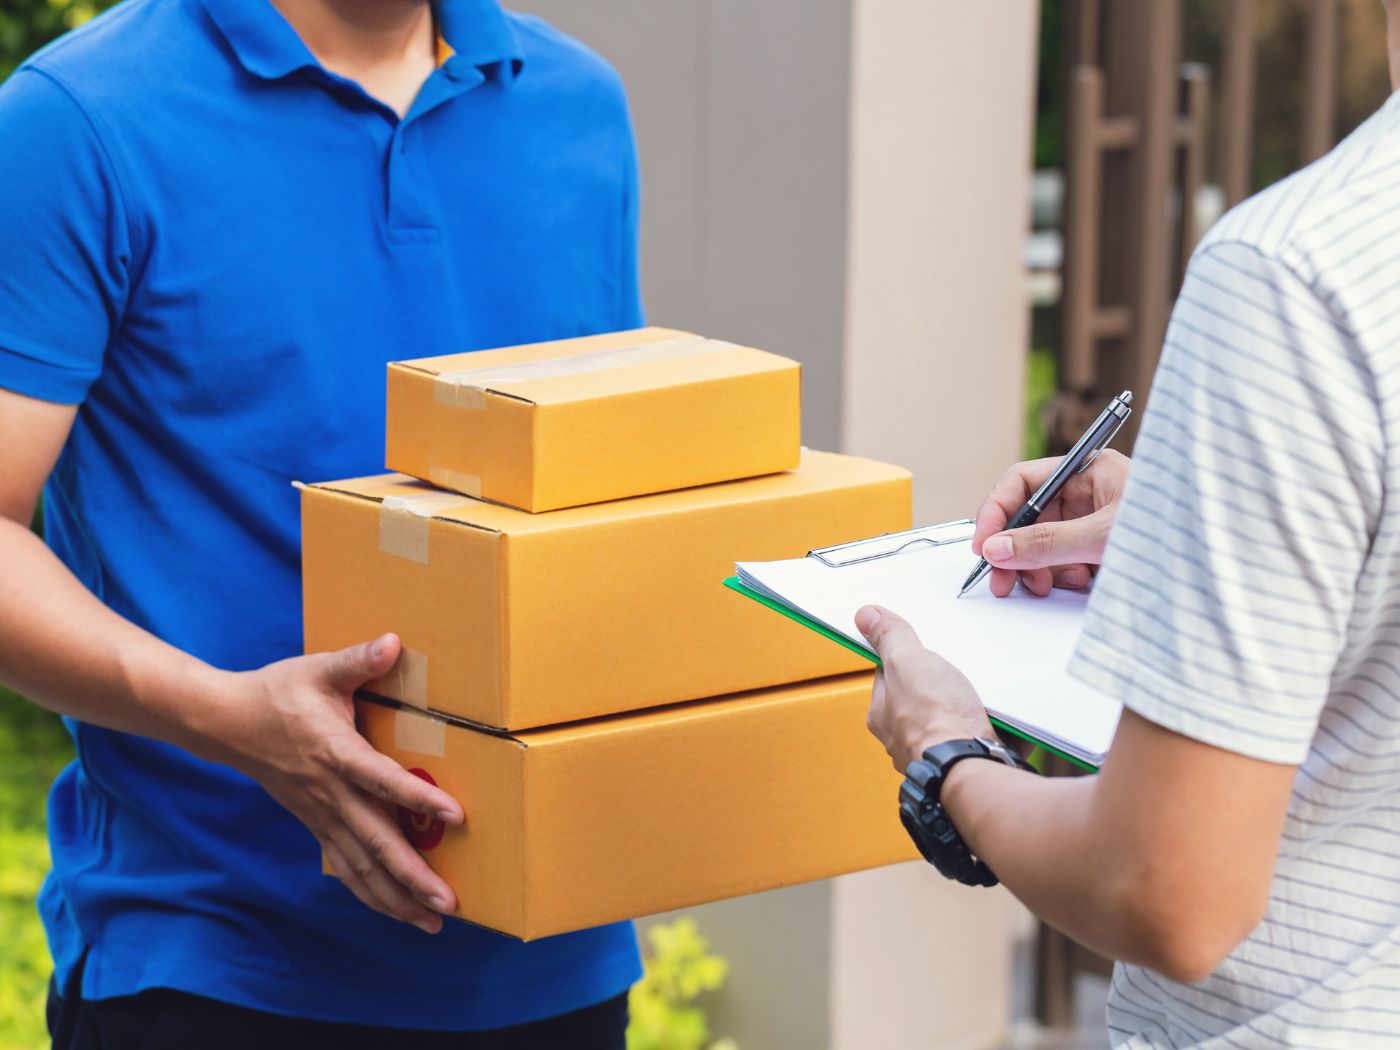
847,182
918,962
740,111
942,97
936,318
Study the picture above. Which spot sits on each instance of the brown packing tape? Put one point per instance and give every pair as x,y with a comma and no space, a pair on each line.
420,734
407,680
466,388
403,523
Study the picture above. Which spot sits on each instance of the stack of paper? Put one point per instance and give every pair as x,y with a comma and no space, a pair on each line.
1015,650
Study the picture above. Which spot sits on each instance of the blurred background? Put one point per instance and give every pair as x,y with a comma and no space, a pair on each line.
968,221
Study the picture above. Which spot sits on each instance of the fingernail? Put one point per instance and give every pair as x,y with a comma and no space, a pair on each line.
448,816
428,925
376,650
437,903
997,548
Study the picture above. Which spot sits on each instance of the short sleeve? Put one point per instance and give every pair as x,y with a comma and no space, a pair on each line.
1222,606
630,307
65,254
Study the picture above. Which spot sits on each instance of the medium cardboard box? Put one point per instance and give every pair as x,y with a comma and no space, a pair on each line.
515,620
604,417
573,826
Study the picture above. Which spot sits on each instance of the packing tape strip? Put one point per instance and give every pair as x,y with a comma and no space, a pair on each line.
466,388
407,680
457,480
420,734
403,523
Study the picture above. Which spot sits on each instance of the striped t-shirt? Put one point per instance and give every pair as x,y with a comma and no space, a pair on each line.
1250,594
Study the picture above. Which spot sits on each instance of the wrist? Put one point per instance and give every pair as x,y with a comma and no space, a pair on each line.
192,705
961,786
934,736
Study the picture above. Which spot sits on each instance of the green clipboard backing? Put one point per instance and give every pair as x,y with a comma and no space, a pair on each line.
734,584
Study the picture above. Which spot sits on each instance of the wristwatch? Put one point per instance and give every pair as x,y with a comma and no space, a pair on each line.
921,810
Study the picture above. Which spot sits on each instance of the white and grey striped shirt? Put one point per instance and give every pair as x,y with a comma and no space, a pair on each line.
1250,595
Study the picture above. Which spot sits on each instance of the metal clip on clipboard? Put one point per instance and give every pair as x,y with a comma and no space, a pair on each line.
891,543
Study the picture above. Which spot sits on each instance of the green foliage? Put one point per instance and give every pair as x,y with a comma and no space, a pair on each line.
1050,85
27,25
1041,383
679,970
33,748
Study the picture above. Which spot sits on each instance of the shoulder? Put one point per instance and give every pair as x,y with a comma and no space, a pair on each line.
100,43
1299,221
550,52
126,56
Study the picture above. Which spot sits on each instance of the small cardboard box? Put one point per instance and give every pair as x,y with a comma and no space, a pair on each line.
574,826
604,417
515,620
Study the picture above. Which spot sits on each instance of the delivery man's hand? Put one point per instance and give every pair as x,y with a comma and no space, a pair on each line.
289,725
1062,548
293,730
920,699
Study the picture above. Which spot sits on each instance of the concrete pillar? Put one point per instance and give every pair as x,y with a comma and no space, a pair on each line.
942,98
741,117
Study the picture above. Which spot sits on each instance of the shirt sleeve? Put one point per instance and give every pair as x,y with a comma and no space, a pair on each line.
630,307
1221,608
65,254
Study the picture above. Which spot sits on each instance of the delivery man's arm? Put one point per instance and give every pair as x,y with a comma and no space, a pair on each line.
289,725
1164,858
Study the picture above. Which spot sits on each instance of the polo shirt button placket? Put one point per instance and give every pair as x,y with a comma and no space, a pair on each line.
408,222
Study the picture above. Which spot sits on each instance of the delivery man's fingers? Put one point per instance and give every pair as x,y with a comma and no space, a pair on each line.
349,669
369,882
385,779
378,835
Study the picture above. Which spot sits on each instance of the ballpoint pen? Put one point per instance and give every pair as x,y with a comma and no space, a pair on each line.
1085,450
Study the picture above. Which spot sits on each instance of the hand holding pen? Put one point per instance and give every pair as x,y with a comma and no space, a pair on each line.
1046,521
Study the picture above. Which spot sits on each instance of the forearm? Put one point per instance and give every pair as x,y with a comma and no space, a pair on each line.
65,650
1132,862
1038,835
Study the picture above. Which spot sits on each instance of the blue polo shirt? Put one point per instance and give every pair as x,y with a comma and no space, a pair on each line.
213,246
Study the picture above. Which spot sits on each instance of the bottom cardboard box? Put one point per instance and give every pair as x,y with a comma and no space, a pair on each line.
577,825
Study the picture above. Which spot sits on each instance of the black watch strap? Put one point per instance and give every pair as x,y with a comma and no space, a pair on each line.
921,808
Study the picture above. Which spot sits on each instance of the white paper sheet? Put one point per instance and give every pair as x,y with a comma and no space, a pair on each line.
1014,650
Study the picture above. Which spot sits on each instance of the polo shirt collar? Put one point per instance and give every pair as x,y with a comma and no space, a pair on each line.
262,40
479,34
266,45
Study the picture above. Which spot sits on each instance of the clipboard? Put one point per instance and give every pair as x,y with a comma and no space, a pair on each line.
860,552
902,555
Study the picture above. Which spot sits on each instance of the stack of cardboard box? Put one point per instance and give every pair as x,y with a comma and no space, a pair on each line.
624,733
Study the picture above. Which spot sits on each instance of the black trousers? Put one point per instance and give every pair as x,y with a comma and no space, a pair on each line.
165,1020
